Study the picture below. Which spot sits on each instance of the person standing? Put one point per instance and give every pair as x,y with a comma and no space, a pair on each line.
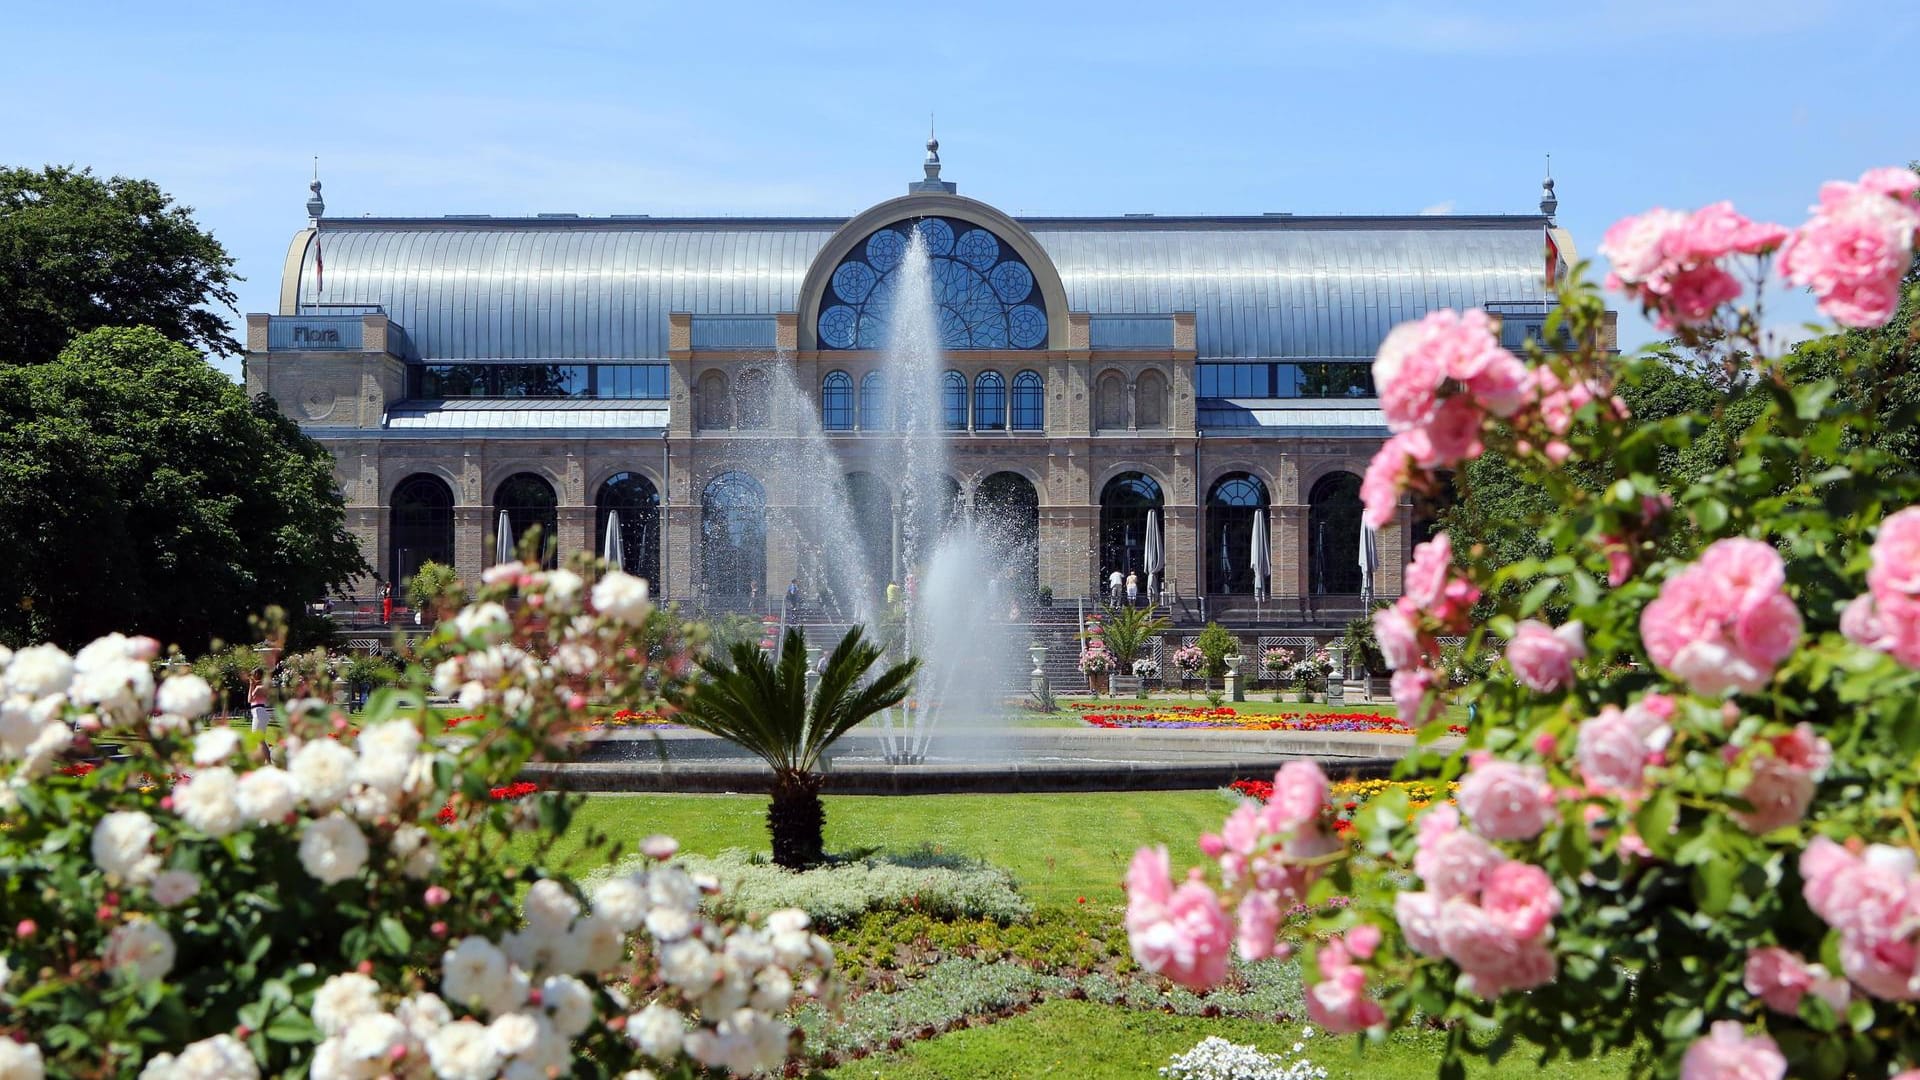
1115,581
386,603
1133,590
257,710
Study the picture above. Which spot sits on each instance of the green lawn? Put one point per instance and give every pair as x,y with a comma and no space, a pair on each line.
1086,1041
1059,847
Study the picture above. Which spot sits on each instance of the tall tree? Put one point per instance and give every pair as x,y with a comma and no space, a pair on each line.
78,253
144,492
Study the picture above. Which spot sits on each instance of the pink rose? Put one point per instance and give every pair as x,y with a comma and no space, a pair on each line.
1387,476
1491,957
1452,436
1454,862
1428,571
1418,914
1187,939
1612,749
1715,231
1149,886
1896,555
1892,180
1728,1053
1542,657
1397,629
1619,559
1784,780
1887,968
1501,387
1636,246
1412,695
1507,801
1300,793
1259,916
1724,622
1781,978
1522,897
1408,372
1339,1001
1690,297
1855,249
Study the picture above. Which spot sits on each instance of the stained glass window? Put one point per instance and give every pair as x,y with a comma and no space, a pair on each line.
989,402
836,402
985,293
1029,402
873,402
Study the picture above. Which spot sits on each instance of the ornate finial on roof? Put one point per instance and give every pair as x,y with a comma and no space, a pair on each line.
1548,201
932,183
316,206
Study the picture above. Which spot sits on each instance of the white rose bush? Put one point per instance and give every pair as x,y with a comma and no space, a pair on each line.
179,906
1686,827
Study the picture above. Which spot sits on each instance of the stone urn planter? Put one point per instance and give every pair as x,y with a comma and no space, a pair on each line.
1336,690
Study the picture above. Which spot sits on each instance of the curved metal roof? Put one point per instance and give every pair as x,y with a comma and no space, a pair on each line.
1272,286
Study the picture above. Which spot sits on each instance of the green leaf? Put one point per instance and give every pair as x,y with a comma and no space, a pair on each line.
394,936
1538,595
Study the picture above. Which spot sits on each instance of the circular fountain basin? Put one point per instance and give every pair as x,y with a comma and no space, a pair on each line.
1020,760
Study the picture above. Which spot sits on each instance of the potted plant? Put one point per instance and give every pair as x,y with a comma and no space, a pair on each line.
1096,663
1189,661
1363,654
1216,643
431,584
1046,596
1274,664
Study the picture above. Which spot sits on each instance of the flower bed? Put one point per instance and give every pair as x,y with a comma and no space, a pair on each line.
1348,796
1226,719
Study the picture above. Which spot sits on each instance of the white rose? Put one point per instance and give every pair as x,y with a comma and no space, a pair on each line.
513,1033
222,1055
20,1061
423,1014
142,945
370,1039
669,924
186,695
503,573
657,1030
121,843
670,886
207,801
489,620
472,696
386,751
595,945
462,1051
175,887
18,725
447,677
333,848
689,965
788,920
267,795
342,999
322,771
772,990
40,670
52,741
415,849
569,1004
213,745
123,689
550,907
622,597
622,902
563,588
474,971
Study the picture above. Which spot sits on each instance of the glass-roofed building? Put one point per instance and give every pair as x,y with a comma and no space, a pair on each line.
560,370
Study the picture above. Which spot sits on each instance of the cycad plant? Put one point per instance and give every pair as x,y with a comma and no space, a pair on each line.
1126,631
760,703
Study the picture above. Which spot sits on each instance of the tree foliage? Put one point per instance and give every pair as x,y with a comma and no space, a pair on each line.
145,492
78,253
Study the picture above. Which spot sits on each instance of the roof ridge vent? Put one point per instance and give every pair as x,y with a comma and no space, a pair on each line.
467,217
562,215
1138,214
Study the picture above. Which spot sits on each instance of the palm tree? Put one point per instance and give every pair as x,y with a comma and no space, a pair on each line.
1126,630
758,703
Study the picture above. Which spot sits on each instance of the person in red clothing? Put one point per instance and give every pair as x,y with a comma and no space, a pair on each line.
386,602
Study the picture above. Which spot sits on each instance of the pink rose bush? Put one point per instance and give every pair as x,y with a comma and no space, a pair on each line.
193,909
1685,818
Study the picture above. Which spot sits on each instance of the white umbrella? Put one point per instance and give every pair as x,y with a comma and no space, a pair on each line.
611,549
503,540
1156,558
1261,557
1369,562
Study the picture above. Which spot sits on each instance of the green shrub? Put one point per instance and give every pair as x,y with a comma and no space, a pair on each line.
942,886
1217,643
431,584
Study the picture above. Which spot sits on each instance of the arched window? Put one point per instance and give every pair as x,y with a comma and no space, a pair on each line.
1110,403
716,402
420,527
836,402
1124,505
1150,401
528,502
870,502
989,402
631,503
733,541
953,401
753,411
1029,402
1333,536
985,295
1236,509
873,402
1006,511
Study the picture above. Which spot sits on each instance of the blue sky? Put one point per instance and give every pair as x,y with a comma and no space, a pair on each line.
777,108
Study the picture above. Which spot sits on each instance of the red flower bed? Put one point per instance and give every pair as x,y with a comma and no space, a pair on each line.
519,789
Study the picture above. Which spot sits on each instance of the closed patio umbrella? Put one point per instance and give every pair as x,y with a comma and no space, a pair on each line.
1156,556
503,540
611,548
1369,562
1262,557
